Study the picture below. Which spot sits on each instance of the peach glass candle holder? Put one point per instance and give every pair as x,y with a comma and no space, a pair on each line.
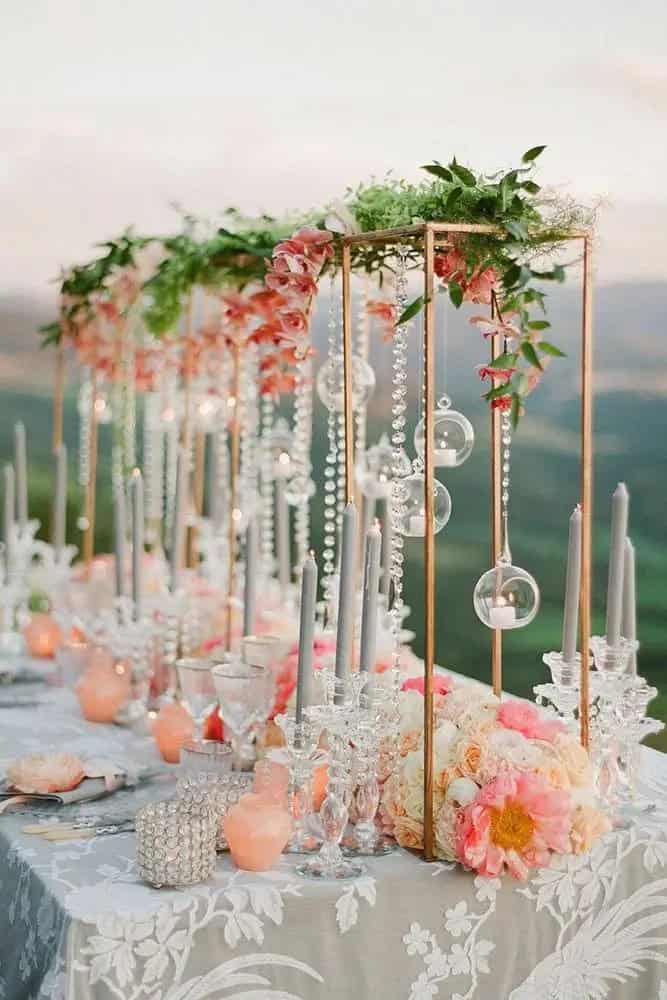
103,689
257,831
42,636
272,781
173,727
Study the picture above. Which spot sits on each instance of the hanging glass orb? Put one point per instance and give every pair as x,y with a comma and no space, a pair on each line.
103,413
331,373
376,469
280,445
412,518
506,597
299,491
453,436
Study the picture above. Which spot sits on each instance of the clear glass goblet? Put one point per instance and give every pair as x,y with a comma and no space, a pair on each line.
246,696
197,689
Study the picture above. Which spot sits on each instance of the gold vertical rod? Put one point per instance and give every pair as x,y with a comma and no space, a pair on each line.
496,521
58,393
347,378
233,478
586,484
91,486
429,541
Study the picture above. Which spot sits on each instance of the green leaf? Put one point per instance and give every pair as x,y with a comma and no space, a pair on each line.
506,360
499,390
531,187
464,175
455,294
532,154
452,198
538,324
551,349
510,276
521,384
518,230
515,412
438,170
410,310
530,354
51,334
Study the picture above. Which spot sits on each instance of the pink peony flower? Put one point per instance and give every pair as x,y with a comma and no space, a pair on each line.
484,371
442,684
501,403
450,266
43,773
515,821
528,720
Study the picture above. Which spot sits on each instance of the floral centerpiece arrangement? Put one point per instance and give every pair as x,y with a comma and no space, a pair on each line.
511,786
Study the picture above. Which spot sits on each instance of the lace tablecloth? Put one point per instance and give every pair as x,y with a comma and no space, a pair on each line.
76,922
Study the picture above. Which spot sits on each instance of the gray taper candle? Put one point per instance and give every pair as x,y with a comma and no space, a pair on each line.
572,588
304,676
251,575
619,529
60,500
137,493
346,592
629,618
386,550
8,518
282,537
369,612
21,463
119,537
178,523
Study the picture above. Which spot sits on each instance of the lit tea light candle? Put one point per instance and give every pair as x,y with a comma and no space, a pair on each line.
502,614
42,636
444,457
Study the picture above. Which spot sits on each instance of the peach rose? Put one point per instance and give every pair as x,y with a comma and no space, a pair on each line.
575,760
409,833
468,758
445,831
409,741
588,825
556,775
43,773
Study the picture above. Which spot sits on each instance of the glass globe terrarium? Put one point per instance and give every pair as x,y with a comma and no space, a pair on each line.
411,520
377,469
330,380
453,436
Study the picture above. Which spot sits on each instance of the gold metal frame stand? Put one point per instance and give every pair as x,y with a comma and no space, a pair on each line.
427,237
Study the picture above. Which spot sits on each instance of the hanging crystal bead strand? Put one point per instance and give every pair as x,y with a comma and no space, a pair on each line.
129,405
84,407
303,412
363,324
266,485
331,460
506,440
398,409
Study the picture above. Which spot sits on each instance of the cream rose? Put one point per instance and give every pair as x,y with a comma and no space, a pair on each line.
461,791
588,825
409,833
575,760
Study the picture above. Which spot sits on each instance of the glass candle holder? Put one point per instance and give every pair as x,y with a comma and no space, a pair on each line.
218,791
176,842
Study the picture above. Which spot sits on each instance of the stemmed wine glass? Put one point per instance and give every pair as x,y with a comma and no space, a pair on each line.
246,695
197,688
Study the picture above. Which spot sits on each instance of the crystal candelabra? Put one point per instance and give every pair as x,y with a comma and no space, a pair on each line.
563,691
304,760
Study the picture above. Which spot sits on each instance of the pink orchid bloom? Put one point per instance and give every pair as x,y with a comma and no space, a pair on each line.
480,286
312,236
484,371
526,718
491,327
514,822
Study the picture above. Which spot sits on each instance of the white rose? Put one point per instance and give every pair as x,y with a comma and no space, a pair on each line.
514,748
411,705
461,791
445,737
413,768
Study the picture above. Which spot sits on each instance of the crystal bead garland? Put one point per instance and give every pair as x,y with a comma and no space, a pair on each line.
129,405
300,487
153,465
331,461
266,484
170,417
398,409
84,408
506,596
363,325
248,468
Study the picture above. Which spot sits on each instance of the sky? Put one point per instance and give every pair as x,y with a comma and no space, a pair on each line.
111,113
